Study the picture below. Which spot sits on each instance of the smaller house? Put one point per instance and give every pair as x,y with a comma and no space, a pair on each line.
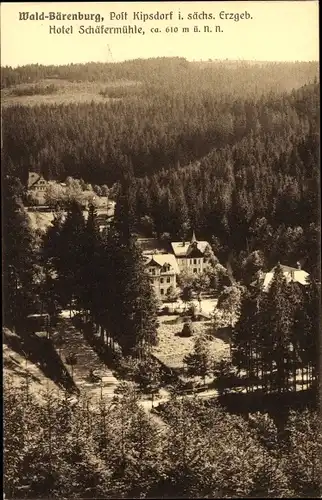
295,274
36,182
163,270
36,187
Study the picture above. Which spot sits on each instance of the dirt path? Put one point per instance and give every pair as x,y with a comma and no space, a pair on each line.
73,342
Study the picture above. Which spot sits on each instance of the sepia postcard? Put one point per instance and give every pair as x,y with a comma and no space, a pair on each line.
161,249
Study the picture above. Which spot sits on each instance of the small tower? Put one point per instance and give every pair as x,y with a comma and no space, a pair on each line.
193,239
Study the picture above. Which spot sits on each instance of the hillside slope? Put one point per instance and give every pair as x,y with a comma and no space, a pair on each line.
21,371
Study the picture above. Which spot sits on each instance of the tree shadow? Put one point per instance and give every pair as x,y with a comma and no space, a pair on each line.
105,353
17,369
277,406
223,333
42,353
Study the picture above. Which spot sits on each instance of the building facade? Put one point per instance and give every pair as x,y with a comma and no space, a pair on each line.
193,257
163,270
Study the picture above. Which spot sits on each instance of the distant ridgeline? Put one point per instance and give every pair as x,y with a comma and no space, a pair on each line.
281,75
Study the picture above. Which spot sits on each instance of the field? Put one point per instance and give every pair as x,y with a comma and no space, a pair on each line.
66,92
172,348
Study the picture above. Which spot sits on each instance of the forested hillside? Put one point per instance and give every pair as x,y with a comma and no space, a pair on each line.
261,192
159,126
230,149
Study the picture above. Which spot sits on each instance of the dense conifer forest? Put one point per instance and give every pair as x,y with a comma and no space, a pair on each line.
229,150
179,113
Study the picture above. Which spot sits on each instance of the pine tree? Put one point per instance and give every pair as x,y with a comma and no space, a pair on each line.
91,267
138,320
71,261
306,332
200,362
124,215
52,253
180,223
134,315
148,376
19,257
229,302
276,330
245,347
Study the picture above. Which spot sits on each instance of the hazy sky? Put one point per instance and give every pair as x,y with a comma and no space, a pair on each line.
280,31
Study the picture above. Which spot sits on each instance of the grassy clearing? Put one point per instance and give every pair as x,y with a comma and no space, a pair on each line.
66,92
172,348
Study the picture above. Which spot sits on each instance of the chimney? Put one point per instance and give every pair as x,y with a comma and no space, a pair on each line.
298,265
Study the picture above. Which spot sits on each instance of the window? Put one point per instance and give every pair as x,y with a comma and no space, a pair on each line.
195,261
161,291
195,270
153,271
161,280
168,279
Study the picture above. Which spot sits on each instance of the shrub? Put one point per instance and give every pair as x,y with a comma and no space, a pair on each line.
187,330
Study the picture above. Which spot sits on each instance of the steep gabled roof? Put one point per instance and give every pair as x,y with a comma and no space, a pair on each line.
194,251
183,249
161,259
151,261
33,178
